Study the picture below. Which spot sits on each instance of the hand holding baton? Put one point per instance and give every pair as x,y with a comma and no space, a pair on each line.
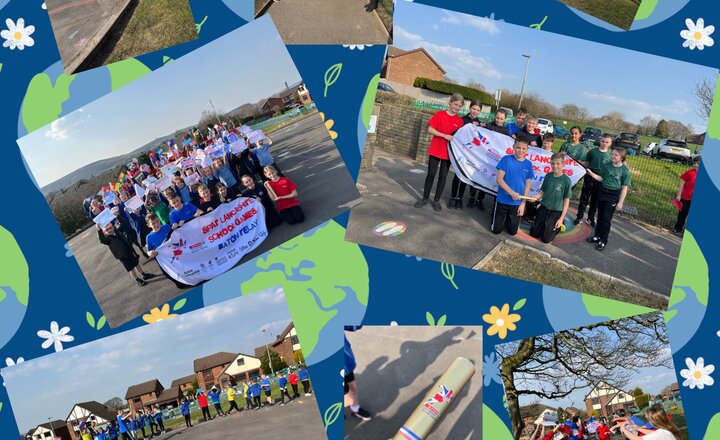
270,191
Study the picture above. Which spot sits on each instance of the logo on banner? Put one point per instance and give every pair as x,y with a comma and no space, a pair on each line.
445,395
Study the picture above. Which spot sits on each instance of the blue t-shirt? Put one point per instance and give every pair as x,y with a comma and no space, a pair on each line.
225,176
155,239
186,213
185,408
112,432
215,397
121,424
303,374
516,173
266,384
282,382
158,415
512,128
255,389
184,194
263,154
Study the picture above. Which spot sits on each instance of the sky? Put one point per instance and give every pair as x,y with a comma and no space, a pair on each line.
49,386
171,98
562,69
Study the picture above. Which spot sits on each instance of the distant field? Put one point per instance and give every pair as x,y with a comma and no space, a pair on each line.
621,13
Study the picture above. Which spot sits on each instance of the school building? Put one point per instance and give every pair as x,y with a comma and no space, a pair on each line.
243,367
404,66
143,394
209,370
184,383
88,412
46,431
607,400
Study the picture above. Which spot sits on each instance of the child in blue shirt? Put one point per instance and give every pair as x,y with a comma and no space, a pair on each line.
266,389
262,152
514,176
255,392
182,212
223,173
183,190
185,411
214,396
282,383
112,430
304,376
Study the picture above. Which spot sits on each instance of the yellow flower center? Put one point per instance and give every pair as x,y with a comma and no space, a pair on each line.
17,35
697,374
500,322
697,35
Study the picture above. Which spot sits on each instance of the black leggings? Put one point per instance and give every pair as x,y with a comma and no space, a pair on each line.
187,421
234,406
295,390
458,188
682,215
206,413
306,385
256,399
433,164
125,436
292,215
607,201
588,196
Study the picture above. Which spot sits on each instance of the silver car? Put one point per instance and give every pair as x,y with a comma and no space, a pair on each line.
675,150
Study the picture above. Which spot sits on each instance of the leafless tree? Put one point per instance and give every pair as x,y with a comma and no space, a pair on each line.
703,91
553,366
647,125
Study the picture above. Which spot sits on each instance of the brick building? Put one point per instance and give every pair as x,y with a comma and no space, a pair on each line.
243,367
47,430
210,370
404,66
87,412
285,344
184,384
272,105
607,400
140,395
529,415
168,398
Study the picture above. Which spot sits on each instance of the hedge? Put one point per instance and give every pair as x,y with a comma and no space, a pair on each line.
450,88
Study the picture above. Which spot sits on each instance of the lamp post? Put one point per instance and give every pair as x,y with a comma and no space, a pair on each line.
272,370
52,431
522,88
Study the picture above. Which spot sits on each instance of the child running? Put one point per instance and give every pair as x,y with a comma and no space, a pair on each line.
615,179
441,126
596,158
514,177
555,195
284,194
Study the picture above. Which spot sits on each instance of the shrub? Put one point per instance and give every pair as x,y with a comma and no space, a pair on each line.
642,400
450,88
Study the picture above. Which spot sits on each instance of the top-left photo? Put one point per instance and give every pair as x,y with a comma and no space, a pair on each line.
92,33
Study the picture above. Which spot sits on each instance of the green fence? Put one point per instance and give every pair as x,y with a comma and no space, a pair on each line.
284,117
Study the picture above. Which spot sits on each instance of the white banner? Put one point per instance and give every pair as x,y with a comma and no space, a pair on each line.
213,243
475,153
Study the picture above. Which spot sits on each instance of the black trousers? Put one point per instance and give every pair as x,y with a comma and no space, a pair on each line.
544,226
187,421
233,405
295,390
125,436
505,215
206,413
607,201
248,402
292,215
458,188
433,164
306,385
682,215
588,195
161,424
283,393
218,409
256,399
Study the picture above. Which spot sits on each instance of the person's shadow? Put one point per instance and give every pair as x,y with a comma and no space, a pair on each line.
371,6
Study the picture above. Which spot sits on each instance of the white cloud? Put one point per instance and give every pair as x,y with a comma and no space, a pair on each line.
56,132
482,23
639,108
459,62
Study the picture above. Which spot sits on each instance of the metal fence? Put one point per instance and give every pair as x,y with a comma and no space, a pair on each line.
284,117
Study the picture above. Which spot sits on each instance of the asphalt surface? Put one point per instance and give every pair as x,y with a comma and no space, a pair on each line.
304,152
297,420
397,366
635,253
80,25
328,22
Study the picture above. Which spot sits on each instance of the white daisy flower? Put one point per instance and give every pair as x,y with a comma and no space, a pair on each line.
697,374
55,336
10,362
17,35
357,46
697,35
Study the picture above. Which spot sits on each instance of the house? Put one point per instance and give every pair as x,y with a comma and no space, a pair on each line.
571,411
404,66
243,367
87,412
272,105
286,344
606,400
529,415
184,383
140,395
670,391
168,398
209,369
46,431
304,94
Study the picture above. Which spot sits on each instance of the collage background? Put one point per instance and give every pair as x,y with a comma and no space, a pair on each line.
327,280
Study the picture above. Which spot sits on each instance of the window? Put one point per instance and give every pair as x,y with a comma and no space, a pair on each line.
621,396
241,362
294,339
207,375
136,400
596,400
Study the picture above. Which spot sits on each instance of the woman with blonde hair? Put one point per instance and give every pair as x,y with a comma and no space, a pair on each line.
656,416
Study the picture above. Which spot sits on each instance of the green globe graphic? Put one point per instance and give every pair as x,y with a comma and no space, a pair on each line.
14,286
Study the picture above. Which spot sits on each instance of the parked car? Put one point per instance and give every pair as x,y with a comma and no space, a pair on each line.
697,153
385,88
591,134
675,150
648,148
545,126
508,111
631,141
561,132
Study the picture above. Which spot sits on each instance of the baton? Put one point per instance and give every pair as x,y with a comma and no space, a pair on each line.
437,400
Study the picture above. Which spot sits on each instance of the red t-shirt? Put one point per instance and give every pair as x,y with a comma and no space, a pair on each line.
604,432
283,187
293,378
689,178
446,124
203,401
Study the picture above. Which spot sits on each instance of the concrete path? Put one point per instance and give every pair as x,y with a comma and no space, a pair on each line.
397,365
304,152
636,253
81,25
328,22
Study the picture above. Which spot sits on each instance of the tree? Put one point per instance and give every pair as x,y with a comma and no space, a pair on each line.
595,414
661,129
553,366
647,125
678,131
299,357
703,91
572,111
207,117
637,392
115,403
642,400
195,385
561,413
277,362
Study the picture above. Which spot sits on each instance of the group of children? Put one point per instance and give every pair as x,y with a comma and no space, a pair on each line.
604,189
126,426
221,179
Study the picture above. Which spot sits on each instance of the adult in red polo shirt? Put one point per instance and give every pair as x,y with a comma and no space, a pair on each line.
685,193
441,126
